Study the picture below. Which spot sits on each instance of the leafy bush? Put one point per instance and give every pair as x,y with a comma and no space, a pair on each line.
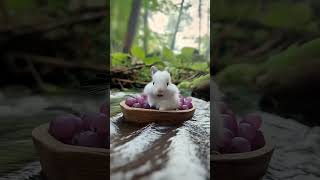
181,65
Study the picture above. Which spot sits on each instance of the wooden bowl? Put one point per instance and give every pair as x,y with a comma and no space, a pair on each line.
139,115
66,162
242,166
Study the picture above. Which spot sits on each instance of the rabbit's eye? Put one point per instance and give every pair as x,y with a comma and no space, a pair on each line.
153,83
167,84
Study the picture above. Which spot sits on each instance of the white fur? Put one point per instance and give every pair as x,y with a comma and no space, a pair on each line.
161,85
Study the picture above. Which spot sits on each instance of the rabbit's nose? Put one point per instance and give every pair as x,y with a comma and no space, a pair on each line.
160,91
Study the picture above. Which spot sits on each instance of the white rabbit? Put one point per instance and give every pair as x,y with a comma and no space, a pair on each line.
161,93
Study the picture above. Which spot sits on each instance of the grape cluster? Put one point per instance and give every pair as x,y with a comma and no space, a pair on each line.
242,136
89,130
140,101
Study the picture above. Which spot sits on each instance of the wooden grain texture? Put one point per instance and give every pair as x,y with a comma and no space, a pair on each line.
242,166
139,115
66,162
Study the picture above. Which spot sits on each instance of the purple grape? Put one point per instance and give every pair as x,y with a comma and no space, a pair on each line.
65,126
88,139
187,100
104,108
183,106
247,131
181,100
240,145
225,142
140,100
254,119
231,113
146,106
99,124
258,141
130,101
145,97
230,123
136,105
190,105
87,118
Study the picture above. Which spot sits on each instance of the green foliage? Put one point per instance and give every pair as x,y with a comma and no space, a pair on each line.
118,58
295,16
152,60
281,69
18,5
138,52
181,65
168,55
280,14
151,47
238,75
288,66
294,55
195,82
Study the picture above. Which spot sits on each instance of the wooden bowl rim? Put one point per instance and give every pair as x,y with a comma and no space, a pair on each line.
41,134
267,148
123,104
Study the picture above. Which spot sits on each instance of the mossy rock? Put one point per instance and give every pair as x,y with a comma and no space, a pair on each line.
283,70
238,75
195,82
292,67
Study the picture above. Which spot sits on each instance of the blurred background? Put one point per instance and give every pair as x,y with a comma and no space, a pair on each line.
53,60
174,34
270,48
266,59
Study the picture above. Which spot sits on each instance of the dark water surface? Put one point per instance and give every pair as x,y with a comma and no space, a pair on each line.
19,115
155,151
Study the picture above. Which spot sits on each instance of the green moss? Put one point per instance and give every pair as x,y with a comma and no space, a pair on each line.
245,9
288,66
195,82
184,85
280,70
200,80
238,74
296,15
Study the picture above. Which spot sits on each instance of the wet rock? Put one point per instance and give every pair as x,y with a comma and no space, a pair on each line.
154,151
297,154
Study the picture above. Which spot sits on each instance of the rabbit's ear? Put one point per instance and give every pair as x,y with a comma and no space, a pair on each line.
153,70
166,69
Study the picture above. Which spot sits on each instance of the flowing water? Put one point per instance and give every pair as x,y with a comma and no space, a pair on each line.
154,151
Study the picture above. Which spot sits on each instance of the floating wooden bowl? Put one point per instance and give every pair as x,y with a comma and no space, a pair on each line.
139,115
242,166
66,162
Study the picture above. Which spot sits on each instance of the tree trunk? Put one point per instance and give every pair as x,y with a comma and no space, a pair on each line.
132,25
199,13
208,21
177,26
145,26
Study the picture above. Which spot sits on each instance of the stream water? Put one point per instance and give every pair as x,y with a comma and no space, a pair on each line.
154,151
